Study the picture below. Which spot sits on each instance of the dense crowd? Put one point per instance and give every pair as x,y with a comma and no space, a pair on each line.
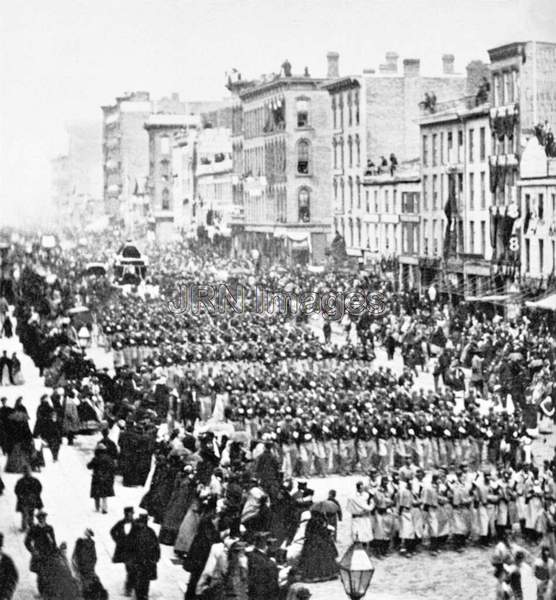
235,405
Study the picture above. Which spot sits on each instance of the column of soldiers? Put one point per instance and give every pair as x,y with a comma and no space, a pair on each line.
410,508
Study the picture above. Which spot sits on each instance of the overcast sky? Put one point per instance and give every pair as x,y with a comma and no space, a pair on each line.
62,59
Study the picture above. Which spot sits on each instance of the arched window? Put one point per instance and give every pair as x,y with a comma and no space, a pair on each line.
358,185
350,236
342,228
356,102
358,149
358,231
335,186
165,199
335,147
335,224
350,151
350,186
341,106
350,114
303,152
304,205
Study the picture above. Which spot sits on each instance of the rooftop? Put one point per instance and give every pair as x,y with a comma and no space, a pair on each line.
170,120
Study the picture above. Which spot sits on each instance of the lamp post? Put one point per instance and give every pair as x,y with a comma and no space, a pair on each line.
83,337
356,571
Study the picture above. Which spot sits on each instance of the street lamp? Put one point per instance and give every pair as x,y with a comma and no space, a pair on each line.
83,337
356,571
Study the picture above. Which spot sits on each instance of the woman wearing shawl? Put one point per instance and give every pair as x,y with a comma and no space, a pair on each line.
317,561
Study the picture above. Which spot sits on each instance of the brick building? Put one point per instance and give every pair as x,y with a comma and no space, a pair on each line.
455,197
161,129
282,161
373,116
125,149
523,81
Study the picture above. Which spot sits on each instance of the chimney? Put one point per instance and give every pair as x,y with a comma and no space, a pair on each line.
448,64
333,59
392,61
411,67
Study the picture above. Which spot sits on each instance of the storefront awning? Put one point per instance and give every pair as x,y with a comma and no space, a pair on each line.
492,298
546,303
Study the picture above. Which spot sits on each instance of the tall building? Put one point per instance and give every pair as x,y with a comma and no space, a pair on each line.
214,198
85,157
282,159
125,149
523,82
61,186
455,198
537,185
161,129
184,158
374,116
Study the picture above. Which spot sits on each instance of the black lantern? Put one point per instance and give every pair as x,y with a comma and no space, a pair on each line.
356,571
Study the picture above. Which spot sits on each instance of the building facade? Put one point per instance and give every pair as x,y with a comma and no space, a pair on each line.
125,149
455,198
389,229
282,161
523,82
161,129
375,116
537,187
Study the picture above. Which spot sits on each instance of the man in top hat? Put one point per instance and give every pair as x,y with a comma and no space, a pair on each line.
262,571
120,533
41,543
145,554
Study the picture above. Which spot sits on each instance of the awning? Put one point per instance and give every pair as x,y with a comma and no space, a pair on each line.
492,298
546,303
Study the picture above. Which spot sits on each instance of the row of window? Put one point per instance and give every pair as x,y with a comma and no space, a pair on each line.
354,151
505,87
439,193
255,207
442,150
340,101
383,200
537,207
369,235
541,256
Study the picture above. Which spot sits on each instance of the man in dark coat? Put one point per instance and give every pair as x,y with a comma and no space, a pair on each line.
263,572
267,471
111,447
44,411
8,574
41,543
122,554
28,492
145,553
5,412
102,482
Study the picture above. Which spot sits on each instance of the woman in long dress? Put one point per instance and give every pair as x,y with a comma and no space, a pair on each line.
318,556
19,439
16,370
59,582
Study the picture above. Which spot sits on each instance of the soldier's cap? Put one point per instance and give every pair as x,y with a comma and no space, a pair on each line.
128,509
41,513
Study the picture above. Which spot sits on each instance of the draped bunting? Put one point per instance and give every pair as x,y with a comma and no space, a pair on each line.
451,212
493,225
